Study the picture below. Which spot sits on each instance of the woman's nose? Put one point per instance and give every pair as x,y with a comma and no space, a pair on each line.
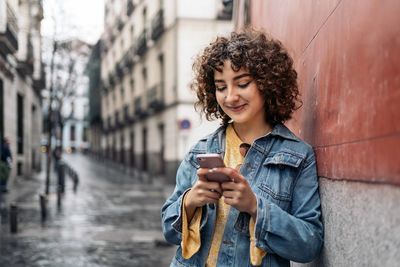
231,96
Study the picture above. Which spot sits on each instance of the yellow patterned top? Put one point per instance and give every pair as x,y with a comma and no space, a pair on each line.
191,232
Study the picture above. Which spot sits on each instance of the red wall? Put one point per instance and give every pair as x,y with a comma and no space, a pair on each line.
347,54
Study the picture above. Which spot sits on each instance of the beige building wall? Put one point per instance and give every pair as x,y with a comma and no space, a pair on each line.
153,85
22,75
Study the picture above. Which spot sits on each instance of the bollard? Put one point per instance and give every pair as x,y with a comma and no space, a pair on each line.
43,211
76,181
61,177
13,218
59,196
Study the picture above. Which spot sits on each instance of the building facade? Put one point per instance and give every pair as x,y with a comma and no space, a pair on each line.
347,57
148,49
21,82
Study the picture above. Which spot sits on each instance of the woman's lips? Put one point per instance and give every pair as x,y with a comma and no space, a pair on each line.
238,108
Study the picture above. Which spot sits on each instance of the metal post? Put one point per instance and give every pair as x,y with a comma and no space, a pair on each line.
76,181
43,210
61,177
13,218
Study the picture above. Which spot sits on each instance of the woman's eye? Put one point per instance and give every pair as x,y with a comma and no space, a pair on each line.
220,88
243,85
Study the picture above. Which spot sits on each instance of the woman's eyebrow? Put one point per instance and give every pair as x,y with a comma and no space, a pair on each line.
241,76
234,78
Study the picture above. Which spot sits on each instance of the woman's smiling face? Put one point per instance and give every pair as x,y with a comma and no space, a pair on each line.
238,95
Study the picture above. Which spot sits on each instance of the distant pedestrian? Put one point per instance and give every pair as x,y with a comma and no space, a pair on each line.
6,159
268,212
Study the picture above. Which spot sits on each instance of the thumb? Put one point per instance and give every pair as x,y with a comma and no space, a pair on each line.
236,176
201,173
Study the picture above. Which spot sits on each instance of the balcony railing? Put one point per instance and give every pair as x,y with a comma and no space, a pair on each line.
9,31
25,65
111,78
141,46
128,118
157,25
120,24
128,60
140,112
119,69
118,122
155,100
40,83
130,7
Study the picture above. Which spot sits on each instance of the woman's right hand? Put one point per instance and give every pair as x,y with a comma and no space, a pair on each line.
203,191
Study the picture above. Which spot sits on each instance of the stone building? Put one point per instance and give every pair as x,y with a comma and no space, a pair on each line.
21,81
148,49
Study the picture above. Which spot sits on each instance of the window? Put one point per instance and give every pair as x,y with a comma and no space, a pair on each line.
85,134
20,124
72,133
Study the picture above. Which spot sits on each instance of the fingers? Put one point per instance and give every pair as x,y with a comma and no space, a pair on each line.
212,195
232,173
229,194
201,173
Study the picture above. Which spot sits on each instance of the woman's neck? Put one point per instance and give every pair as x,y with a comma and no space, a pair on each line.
250,132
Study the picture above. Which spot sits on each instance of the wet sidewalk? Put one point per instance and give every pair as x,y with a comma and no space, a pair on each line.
112,220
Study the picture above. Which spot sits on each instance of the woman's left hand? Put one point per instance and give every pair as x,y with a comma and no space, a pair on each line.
237,192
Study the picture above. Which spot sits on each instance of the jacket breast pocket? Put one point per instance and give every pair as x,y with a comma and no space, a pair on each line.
278,175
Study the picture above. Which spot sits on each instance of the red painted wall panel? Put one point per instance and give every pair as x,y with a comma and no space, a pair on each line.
347,54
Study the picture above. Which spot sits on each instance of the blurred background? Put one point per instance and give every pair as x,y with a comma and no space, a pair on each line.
96,114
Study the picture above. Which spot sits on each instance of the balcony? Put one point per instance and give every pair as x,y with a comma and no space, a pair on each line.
130,7
141,44
140,112
8,29
111,79
120,24
118,122
119,69
25,65
226,12
112,36
128,119
40,83
128,60
155,100
157,25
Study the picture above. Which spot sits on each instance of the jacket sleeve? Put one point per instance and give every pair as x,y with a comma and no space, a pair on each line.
298,235
171,212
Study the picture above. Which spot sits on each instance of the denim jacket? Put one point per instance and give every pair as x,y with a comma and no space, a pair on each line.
281,170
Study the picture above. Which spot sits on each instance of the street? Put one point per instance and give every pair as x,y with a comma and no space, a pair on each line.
112,220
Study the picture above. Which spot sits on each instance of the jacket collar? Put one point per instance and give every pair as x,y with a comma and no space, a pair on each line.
278,130
282,131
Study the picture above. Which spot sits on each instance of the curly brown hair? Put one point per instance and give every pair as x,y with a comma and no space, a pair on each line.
267,61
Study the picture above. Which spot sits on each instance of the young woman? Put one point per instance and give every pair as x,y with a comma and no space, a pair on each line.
268,213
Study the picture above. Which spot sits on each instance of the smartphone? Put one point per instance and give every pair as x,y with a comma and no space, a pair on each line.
210,161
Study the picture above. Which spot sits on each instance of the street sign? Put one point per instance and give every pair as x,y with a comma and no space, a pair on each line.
184,124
